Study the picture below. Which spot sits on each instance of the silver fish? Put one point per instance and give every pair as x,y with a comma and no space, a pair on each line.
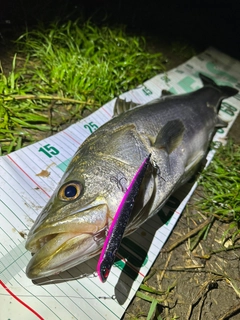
176,130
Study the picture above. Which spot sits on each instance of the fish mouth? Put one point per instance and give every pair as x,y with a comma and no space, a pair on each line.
64,245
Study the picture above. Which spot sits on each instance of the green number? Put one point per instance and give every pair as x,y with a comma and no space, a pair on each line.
48,150
179,71
147,91
221,131
91,127
165,78
189,66
227,108
200,58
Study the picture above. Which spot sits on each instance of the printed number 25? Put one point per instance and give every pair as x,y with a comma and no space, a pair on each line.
91,126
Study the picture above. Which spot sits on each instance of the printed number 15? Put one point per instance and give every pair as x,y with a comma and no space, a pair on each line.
49,151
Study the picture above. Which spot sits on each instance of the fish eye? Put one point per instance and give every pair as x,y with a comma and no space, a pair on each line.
70,191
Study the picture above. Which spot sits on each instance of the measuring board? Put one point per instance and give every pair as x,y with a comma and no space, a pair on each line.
28,178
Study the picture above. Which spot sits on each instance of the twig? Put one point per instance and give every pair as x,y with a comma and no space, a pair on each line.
50,116
165,268
190,234
150,275
201,296
231,312
45,97
224,249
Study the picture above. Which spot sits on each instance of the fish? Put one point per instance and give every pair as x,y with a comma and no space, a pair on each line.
119,223
175,129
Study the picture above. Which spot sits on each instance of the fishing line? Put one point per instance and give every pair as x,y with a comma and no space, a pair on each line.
121,182
156,167
97,237
53,281
113,297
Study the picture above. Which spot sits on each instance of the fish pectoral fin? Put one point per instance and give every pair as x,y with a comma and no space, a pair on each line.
221,123
122,106
170,136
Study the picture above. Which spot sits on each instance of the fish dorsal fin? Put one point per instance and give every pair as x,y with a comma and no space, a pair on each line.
170,136
226,91
207,81
221,123
122,106
166,93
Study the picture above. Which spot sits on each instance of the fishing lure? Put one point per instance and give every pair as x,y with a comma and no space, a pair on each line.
119,223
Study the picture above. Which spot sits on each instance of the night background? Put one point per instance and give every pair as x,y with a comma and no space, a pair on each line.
201,25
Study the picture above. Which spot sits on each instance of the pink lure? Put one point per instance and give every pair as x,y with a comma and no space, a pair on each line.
119,223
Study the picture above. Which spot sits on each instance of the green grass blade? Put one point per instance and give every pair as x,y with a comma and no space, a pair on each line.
152,309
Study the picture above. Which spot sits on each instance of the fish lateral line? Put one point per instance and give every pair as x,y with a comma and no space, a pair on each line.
119,223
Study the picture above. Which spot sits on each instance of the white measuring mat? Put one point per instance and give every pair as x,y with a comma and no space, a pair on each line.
28,178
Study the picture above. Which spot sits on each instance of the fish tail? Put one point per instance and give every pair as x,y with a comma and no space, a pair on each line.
226,91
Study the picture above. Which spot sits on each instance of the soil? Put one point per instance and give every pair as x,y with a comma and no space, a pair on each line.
206,284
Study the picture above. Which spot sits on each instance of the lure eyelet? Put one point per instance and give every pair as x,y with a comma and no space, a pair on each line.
70,191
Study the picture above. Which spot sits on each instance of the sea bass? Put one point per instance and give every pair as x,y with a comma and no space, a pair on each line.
176,130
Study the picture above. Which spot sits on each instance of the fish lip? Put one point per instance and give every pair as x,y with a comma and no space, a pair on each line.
41,237
73,244
38,268
40,234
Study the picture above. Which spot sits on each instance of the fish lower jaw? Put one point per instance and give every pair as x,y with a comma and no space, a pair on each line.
36,241
58,255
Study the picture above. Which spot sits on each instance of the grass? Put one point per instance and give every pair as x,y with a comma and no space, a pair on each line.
151,295
220,184
64,69
218,198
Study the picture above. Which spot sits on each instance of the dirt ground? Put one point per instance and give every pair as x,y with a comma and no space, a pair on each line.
204,288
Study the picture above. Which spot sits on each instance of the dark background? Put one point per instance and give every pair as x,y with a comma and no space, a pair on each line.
201,25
